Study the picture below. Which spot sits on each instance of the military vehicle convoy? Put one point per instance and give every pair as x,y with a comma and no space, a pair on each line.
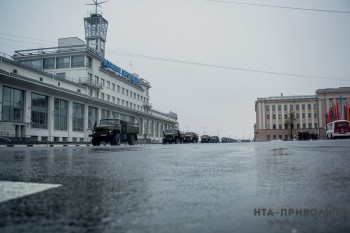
114,131
191,137
205,138
173,136
215,139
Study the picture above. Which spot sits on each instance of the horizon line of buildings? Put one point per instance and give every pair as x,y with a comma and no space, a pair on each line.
282,117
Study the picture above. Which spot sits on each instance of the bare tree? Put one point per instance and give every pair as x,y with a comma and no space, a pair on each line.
290,122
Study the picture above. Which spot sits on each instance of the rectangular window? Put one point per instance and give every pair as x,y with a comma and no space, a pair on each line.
108,98
279,107
309,115
115,115
298,126
285,107
60,114
78,61
291,107
285,116
303,107
108,84
39,111
12,105
122,90
297,107
273,107
102,82
104,113
92,117
62,62
303,114
279,116
89,62
78,117
118,88
309,106
102,96
113,99
267,107
113,86
310,125
304,126
298,115
273,116
49,63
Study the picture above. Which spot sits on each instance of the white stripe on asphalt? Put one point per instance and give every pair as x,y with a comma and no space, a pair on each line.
11,190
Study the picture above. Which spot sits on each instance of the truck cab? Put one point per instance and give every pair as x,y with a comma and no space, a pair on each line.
173,136
114,131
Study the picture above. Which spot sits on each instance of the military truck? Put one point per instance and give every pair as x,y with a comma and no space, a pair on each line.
191,137
114,131
173,136
215,139
205,139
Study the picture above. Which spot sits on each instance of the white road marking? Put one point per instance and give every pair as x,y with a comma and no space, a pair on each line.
11,190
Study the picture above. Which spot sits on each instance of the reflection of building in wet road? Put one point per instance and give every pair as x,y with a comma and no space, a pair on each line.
58,94
276,115
178,188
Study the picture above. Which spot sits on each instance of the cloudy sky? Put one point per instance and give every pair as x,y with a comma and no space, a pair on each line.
208,61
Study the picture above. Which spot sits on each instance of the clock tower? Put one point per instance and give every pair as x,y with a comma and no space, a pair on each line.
96,30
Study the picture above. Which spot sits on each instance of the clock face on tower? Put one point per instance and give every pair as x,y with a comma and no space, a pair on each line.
92,44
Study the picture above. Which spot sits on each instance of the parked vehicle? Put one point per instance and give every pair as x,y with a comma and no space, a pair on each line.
338,129
114,131
5,140
173,136
191,137
205,138
215,139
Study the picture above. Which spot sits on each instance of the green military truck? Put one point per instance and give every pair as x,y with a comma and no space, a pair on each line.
114,131
173,136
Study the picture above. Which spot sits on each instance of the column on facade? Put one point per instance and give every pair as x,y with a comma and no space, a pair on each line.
51,118
86,121
27,114
70,120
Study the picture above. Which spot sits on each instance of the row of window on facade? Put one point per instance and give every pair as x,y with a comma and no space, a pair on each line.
114,87
59,62
13,111
297,115
287,126
118,101
291,107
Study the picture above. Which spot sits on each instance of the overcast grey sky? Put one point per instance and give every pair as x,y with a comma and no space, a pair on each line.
221,34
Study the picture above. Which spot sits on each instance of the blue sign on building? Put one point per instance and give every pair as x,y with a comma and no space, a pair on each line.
126,74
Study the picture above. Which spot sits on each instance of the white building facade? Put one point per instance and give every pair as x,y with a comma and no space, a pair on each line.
311,113
60,93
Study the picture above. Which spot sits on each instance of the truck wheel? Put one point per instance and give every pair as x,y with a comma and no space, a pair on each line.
132,140
95,142
116,140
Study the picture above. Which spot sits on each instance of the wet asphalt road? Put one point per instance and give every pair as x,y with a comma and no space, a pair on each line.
179,188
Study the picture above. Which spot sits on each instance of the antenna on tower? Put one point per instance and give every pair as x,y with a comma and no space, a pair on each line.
97,4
